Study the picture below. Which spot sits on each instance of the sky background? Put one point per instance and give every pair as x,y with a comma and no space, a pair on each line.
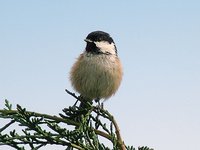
158,41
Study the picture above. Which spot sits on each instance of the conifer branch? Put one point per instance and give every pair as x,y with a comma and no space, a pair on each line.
74,128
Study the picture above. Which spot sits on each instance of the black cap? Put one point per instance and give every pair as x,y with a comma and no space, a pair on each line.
98,36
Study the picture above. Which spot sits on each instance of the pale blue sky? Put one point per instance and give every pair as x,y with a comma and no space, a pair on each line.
158,103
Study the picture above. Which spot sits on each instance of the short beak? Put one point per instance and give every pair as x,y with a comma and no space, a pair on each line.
87,40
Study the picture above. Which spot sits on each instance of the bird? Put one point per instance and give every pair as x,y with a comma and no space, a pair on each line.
97,72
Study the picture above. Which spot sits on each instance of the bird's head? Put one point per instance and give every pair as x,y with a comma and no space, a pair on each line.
99,42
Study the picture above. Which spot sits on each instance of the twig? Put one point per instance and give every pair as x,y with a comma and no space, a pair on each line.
111,118
119,137
7,125
117,130
57,119
36,142
72,94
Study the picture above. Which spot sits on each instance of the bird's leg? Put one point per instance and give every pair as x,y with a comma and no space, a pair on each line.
97,100
100,105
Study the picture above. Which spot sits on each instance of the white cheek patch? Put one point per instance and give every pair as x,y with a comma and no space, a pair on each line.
104,46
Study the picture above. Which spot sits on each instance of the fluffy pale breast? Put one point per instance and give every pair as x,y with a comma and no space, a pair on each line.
96,76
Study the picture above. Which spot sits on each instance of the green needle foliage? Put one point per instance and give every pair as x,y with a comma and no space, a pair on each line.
75,128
